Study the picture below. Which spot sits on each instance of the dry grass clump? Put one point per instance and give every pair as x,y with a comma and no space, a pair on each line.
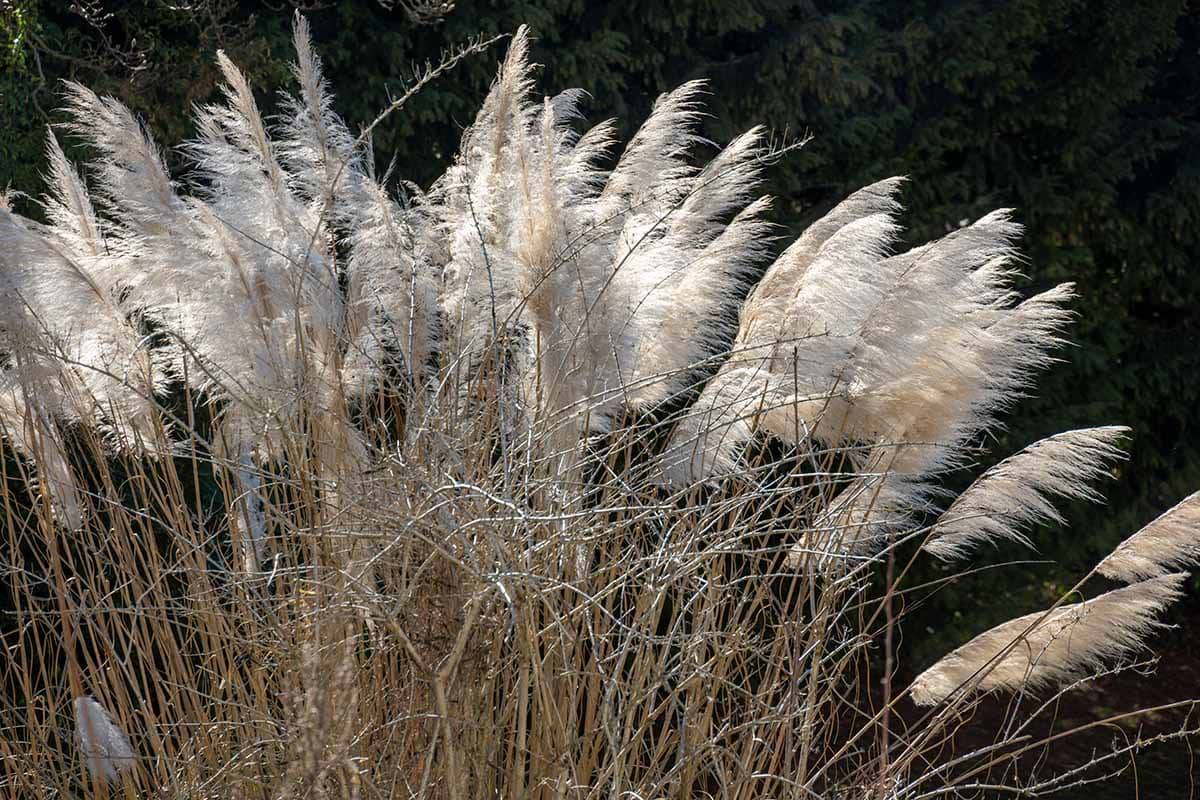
549,482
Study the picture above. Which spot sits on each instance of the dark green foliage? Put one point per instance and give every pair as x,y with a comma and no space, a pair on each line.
1084,116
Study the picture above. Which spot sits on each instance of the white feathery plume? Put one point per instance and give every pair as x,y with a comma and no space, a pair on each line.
579,172
68,207
30,431
392,291
474,205
770,306
925,366
914,354
105,746
796,330
1016,493
623,287
264,314
116,368
234,145
1169,542
133,181
316,146
610,295
75,343
148,241
813,352
62,316
923,353
877,198
653,171
244,279
390,286
217,274
1054,647
684,285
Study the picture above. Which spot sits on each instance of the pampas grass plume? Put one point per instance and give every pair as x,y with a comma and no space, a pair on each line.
1169,542
1015,494
105,746
1052,647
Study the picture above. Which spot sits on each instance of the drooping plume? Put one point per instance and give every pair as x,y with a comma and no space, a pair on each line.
104,745
30,430
1169,542
63,318
1015,494
906,357
1052,647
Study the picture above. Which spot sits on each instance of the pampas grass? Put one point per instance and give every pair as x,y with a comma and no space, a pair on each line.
105,746
523,485
1169,542
1053,647
1016,492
